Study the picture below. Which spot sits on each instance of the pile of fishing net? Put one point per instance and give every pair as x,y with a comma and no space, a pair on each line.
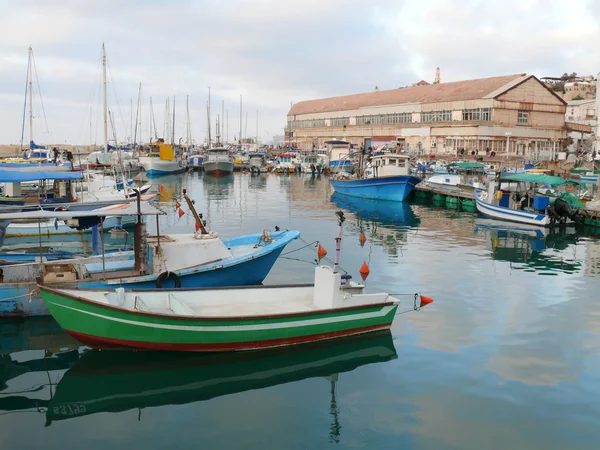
572,199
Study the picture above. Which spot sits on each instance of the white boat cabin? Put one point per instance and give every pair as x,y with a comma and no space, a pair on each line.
218,154
388,165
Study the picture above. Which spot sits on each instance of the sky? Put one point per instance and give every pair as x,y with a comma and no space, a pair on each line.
271,52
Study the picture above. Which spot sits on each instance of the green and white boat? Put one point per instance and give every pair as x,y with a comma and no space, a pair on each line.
224,319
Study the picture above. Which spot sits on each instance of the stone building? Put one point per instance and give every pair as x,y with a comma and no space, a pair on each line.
515,111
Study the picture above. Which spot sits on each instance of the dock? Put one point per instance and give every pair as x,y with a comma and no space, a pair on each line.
453,197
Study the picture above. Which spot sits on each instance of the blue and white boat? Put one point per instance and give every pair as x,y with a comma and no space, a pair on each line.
186,260
588,177
521,203
386,177
195,162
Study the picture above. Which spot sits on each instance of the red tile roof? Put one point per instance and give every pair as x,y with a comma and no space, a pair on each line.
432,93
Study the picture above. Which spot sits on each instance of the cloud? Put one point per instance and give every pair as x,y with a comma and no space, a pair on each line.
272,52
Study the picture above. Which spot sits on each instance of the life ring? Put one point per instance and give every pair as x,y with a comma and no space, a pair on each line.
166,276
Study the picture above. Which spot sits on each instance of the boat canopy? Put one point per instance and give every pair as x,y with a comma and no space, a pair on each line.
466,165
117,210
537,178
15,176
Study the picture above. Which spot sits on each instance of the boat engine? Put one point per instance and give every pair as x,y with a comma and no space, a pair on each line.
560,211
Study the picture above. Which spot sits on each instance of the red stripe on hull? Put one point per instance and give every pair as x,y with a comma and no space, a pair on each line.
218,172
110,343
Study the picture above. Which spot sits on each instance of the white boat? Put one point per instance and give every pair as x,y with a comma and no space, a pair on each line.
218,162
524,204
162,160
258,162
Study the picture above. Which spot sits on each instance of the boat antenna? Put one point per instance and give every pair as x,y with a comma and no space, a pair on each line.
338,241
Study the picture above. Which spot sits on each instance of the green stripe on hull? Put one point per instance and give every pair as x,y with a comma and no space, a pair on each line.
102,322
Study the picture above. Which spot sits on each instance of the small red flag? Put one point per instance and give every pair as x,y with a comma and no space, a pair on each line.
321,252
180,212
197,226
177,204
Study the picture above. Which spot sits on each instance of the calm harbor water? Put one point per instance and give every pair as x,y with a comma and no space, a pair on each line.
508,356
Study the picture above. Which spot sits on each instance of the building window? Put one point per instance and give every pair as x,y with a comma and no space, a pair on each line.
384,119
436,116
339,121
308,123
476,114
523,118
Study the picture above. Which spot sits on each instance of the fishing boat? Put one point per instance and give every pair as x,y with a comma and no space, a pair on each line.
384,176
218,162
226,319
588,177
128,380
520,202
183,260
162,159
287,163
338,152
196,162
258,162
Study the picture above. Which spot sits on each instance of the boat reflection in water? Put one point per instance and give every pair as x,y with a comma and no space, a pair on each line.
120,381
40,346
385,213
520,243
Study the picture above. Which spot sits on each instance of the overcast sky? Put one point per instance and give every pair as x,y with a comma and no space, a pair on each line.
271,52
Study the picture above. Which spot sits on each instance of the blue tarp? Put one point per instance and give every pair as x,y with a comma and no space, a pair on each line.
14,176
27,165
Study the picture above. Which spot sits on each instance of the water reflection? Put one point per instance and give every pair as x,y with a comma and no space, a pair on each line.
527,246
31,350
120,381
399,214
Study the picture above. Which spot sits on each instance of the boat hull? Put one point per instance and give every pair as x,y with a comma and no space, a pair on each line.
393,188
512,215
218,168
105,327
156,167
24,299
51,228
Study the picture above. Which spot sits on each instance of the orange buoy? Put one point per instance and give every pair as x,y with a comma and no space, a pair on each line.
362,238
160,187
177,204
321,252
364,271
425,301
180,212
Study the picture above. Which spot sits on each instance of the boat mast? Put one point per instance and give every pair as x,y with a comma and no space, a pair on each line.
173,124
30,75
137,115
240,136
104,101
153,121
208,119
256,141
222,121
187,113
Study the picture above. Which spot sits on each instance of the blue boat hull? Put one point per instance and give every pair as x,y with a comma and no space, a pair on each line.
23,299
152,173
395,188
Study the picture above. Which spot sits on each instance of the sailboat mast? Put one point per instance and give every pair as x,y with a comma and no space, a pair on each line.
137,115
30,95
222,121
187,113
240,136
104,100
256,142
152,122
226,125
208,119
173,124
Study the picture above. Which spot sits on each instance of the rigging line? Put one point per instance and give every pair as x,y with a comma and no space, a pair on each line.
25,103
37,78
116,97
298,259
